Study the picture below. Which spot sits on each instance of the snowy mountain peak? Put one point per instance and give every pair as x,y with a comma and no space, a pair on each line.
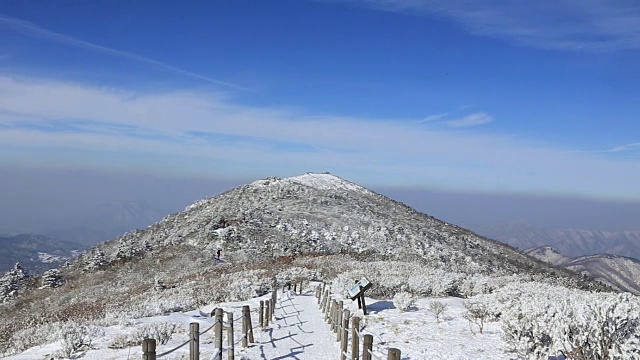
325,181
548,254
318,181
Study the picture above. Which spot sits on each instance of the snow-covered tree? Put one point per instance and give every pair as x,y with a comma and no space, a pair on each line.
128,249
11,282
96,260
52,278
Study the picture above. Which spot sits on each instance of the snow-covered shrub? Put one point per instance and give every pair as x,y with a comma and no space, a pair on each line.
581,324
294,274
159,285
437,308
240,289
123,341
525,328
477,313
403,301
128,249
160,331
345,281
76,337
30,336
52,279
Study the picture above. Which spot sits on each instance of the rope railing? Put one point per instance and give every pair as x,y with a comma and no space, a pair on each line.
339,319
219,325
209,328
174,349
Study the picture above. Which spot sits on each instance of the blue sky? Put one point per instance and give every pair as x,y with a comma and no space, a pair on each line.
516,97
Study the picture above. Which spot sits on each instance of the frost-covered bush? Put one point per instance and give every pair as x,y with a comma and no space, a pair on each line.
52,279
23,339
437,308
477,313
160,331
240,289
123,341
581,324
345,281
294,274
76,337
403,300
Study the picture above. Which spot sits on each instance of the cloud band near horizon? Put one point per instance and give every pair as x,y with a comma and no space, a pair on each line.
203,133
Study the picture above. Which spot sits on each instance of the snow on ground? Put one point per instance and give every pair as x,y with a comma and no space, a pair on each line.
299,332
320,181
325,182
49,258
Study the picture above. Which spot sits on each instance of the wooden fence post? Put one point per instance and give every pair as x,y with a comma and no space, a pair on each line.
267,309
217,329
295,287
245,325
250,327
367,347
149,349
274,300
364,305
344,332
394,354
355,338
339,320
194,345
261,316
230,344
332,313
327,307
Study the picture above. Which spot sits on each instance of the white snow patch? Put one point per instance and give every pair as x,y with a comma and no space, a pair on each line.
326,182
49,258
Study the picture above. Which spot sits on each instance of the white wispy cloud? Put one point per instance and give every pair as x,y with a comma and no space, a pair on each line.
623,148
435,117
201,132
474,119
550,24
37,31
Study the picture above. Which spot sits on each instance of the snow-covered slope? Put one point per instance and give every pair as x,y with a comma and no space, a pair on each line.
621,272
548,255
322,213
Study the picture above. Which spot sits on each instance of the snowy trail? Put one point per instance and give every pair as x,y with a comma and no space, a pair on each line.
299,332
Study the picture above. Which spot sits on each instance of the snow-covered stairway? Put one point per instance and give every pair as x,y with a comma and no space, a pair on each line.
298,332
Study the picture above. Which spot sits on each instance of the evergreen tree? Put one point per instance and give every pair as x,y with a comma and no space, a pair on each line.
11,282
52,278
96,261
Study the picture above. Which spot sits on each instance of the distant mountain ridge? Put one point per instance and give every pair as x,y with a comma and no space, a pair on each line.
571,242
622,273
35,253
